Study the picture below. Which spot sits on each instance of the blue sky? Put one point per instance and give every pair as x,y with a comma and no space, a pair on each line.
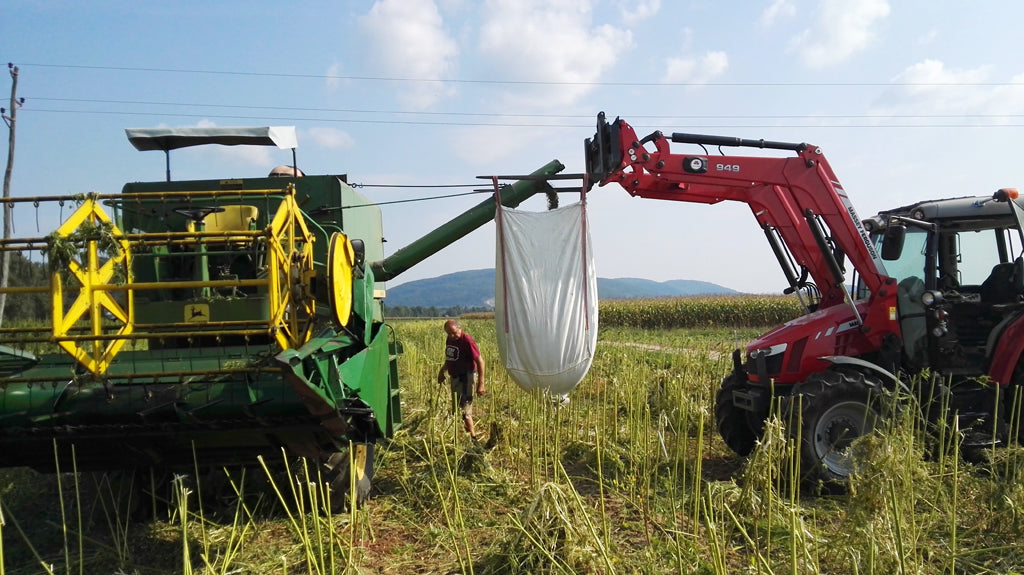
909,100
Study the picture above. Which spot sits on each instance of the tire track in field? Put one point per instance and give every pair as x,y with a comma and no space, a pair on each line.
688,351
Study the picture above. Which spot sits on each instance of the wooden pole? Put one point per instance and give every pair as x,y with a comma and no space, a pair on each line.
5,258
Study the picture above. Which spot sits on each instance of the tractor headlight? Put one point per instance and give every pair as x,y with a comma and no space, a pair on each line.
767,360
931,298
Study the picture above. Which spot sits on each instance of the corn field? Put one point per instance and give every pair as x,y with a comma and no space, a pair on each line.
700,311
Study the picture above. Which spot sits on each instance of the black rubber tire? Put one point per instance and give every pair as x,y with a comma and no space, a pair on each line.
224,488
732,422
124,493
1013,402
836,406
335,470
1013,412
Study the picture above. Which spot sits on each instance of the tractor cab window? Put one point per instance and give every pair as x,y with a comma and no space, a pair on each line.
910,273
979,251
910,264
912,259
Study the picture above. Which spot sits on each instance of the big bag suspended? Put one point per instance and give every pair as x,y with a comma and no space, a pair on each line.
545,309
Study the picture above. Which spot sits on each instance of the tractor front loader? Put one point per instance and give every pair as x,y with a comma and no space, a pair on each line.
929,290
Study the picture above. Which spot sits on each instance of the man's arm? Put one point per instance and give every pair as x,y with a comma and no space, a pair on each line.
480,368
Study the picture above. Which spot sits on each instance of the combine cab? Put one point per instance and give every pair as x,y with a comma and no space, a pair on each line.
206,323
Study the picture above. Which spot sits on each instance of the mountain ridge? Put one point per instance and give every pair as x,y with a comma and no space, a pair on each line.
475,288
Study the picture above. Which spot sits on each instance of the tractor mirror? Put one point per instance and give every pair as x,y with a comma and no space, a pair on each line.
892,242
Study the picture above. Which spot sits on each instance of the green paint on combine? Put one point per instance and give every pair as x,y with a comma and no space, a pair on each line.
224,333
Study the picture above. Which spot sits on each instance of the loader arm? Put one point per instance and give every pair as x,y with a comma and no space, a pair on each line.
797,200
783,194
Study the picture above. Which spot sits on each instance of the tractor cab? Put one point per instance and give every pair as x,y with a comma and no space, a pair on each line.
960,280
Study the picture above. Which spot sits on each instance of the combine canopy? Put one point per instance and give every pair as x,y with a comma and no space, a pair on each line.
145,139
167,139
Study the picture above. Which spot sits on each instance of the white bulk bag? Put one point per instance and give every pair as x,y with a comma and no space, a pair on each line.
545,309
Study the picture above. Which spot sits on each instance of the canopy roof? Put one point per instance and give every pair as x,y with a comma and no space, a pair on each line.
167,139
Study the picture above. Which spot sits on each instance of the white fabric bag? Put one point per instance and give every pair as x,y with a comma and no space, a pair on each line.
545,309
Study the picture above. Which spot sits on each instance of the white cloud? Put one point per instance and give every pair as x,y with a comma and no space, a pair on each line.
454,5
842,29
778,10
486,146
331,138
487,150
695,70
928,37
333,81
928,87
935,72
550,41
258,156
407,39
634,11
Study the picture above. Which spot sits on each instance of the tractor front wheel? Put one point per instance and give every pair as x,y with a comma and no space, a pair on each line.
836,407
733,423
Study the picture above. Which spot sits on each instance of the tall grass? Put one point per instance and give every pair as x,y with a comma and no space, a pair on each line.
628,477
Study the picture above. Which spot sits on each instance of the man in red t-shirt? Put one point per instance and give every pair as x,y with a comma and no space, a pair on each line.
462,361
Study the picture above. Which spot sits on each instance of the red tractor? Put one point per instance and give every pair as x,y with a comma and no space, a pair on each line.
934,288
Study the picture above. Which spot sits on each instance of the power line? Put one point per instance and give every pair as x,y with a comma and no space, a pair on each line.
520,82
302,109
412,199
300,119
264,118
588,118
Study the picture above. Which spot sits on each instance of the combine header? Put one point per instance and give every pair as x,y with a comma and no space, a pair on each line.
205,323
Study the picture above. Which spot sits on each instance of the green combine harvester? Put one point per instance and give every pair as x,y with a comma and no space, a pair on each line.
206,323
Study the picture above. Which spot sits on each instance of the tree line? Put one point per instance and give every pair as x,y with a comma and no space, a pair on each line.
431,311
22,307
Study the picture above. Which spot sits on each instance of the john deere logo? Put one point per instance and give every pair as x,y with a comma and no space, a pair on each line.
197,313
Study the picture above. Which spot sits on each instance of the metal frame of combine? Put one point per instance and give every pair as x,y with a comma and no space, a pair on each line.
210,322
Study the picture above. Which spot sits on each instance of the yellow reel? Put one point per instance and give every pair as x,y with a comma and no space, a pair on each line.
340,259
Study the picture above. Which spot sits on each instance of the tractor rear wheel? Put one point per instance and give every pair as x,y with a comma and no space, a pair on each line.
732,422
1013,399
836,407
1013,411
338,469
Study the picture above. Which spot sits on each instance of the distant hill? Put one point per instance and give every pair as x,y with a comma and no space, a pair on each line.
629,288
475,288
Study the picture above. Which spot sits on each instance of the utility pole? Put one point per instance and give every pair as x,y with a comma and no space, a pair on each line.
5,256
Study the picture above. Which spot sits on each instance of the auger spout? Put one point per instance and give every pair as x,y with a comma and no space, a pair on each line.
463,224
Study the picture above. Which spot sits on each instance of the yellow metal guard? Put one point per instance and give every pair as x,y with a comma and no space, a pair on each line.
292,306
95,327
95,354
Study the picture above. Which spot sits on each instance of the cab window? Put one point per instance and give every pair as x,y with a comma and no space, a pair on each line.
978,252
912,258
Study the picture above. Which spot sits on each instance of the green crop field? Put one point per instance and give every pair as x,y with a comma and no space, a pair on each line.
627,477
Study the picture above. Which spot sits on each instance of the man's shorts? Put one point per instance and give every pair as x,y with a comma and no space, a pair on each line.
462,388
